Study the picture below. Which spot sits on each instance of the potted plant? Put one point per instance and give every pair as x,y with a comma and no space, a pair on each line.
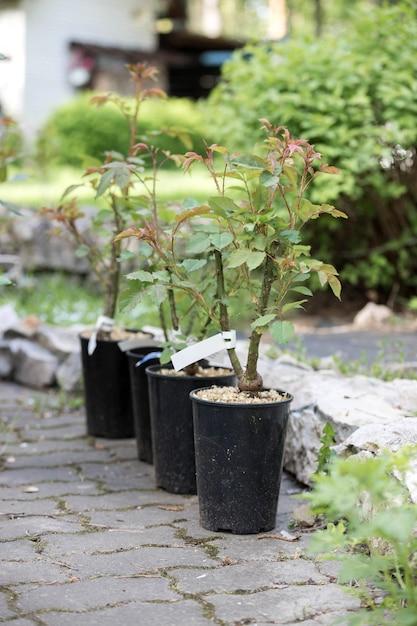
259,210
105,367
185,312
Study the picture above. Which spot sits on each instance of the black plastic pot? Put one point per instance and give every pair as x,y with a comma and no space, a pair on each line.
107,390
172,426
239,455
140,399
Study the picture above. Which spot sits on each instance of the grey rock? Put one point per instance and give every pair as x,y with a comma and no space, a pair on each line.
59,341
34,366
376,438
25,328
69,373
372,315
6,360
39,246
348,403
373,439
8,318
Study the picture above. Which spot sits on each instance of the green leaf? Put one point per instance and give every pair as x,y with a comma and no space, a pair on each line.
82,251
291,235
267,179
159,294
70,189
223,205
190,203
122,176
255,259
291,306
198,243
282,332
126,255
335,286
221,240
238,257
165,356
105,182
249,162
4,280
142,275
262,321
305,291
192,265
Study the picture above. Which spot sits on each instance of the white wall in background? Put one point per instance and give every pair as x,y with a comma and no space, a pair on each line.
12,72
52,24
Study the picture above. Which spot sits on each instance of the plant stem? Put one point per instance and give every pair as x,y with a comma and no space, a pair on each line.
224,315
172,305
113,283
253,380
163,322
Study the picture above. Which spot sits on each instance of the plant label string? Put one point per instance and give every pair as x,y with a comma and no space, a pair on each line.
204,349
103,323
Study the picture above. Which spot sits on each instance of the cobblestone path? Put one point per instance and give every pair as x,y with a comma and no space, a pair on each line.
85,539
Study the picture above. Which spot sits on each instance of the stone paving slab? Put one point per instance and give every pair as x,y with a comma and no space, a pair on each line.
87,540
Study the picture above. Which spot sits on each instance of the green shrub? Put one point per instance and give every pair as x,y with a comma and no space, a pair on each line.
78,131
371,531
355,97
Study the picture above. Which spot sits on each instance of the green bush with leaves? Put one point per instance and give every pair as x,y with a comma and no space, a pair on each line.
371,531
76,133
246,242
354,96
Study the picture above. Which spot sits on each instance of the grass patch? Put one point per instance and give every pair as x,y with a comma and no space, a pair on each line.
38,189
62,299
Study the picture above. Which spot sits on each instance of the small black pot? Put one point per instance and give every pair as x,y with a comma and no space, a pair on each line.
140,399
107,390
239,455
172,426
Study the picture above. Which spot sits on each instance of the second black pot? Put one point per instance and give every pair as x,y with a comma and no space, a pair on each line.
107,390
140,399
239,455
172,426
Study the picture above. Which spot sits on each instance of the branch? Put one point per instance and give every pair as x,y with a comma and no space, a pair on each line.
224,314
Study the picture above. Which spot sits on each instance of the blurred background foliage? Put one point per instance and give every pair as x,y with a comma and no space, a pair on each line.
353,95
78,132
344,77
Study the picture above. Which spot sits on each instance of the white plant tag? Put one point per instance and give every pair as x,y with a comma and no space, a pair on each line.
103,323
203,349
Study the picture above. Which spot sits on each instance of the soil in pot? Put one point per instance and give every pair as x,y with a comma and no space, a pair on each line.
140,398
239,447
107,386
172,423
